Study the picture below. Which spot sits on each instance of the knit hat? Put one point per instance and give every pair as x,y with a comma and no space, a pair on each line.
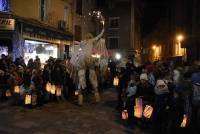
161,87
143,76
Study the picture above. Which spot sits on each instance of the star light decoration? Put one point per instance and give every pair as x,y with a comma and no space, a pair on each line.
98,15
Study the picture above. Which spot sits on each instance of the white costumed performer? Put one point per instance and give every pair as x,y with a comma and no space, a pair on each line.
82,59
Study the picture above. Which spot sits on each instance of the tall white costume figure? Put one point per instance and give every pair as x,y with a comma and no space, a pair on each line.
82,59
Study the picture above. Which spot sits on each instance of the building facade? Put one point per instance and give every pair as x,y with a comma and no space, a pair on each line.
84,22
177,33
123,26
36,27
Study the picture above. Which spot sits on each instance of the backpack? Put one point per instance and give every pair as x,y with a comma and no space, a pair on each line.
151,79
132,89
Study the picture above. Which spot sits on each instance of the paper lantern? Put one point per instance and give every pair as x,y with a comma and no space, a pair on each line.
53,89
8,93
184,122
148,110
48,87
58,91
124,115
138,108
34,99
17,89
76,93
28,99
116,81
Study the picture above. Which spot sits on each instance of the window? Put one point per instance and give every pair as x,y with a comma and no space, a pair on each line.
4,5
66,16
114,22
43,10
79,7
113,42
78,33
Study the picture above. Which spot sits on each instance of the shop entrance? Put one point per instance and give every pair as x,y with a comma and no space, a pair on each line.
41,49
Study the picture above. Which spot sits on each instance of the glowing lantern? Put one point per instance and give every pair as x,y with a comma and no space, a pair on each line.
148,110
53,89
34,99
8,93
184,122
28,99
124,115
58,91
116,81
48,87
138,109
17,89
76,93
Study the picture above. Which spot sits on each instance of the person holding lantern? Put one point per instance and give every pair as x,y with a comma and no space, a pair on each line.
180,110
162,106
131,93
145,93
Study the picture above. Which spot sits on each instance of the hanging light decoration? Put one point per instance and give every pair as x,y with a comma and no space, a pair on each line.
98,15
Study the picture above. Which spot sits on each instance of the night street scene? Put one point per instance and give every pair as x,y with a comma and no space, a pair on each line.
99,66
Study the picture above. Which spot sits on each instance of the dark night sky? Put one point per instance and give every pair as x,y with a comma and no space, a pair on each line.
154,11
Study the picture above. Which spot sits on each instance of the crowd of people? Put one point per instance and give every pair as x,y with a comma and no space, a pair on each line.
163,96
17,80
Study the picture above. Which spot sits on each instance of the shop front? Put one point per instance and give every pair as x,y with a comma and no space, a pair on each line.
7,27
43,50
43,42
28,38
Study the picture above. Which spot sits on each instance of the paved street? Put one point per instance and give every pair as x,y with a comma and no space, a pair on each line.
65,118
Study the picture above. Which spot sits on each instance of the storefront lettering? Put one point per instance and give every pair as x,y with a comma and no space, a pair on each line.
7,24
37,36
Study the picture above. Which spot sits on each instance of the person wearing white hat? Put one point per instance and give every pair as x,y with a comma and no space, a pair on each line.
161,106
161,87
145,89
143,76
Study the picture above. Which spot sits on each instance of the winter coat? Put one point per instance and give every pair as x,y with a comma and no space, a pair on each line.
195,78
57,75
146,91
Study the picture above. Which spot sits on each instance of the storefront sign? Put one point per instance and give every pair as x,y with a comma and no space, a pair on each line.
44,33
7,24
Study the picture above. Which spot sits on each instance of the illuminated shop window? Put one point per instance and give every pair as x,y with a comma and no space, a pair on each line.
4,5
41,49
3,50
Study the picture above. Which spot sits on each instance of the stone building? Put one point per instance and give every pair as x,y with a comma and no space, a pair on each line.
123,30
36,27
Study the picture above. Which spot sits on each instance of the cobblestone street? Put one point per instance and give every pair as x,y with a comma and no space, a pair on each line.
65,118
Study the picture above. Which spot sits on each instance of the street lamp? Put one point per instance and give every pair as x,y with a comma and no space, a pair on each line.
118,56
179,37
180,51
154,47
